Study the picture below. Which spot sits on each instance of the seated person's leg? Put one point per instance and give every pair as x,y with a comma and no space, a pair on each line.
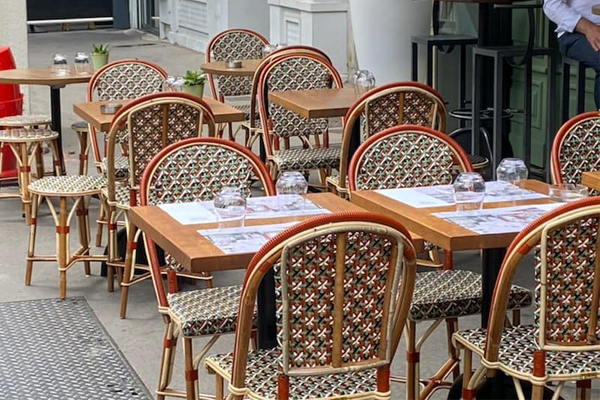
577,47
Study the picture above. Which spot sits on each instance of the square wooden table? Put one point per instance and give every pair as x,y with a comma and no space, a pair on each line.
322,103
591,180
452,237
198,254
90,112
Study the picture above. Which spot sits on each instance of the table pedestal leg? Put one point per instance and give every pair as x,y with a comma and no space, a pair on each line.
267,324
57,122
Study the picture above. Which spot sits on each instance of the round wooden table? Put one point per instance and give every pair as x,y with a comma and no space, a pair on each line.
46,77
219,68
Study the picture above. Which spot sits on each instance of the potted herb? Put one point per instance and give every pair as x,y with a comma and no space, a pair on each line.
193,83
99,56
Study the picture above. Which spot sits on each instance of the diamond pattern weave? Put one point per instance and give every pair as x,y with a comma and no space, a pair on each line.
128,81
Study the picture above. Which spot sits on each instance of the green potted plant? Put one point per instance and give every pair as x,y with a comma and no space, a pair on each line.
99,56
193,83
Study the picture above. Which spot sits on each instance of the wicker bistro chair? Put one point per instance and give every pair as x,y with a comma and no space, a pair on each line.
297,72
562,344
26,145
187,171
252,125
234,44
413,156
343,285
152,122
400,103
576,148
122,79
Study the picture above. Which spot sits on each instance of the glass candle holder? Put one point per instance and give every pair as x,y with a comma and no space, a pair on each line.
469,191
230,206
363,82
512,170
291,190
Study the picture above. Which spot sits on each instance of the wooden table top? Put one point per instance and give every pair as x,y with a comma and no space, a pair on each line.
218,68
41,76
197,253
591,180
323,103
443,233
90,112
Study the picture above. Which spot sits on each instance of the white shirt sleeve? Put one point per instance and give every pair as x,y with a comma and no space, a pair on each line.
559,12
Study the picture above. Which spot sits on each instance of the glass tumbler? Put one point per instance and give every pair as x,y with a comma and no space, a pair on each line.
230,206
291,190
60,66
512,170
469,191
82,64
363,82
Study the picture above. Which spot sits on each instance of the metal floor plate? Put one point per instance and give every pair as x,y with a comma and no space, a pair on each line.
57,349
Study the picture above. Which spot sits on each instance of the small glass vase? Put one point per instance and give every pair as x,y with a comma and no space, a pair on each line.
469,191
292,188
230,206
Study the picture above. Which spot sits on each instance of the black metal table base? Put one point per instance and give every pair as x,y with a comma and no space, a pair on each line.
57,122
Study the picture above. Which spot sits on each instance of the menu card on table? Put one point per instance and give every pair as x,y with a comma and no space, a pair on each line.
443,195
257,208
497,220
240,240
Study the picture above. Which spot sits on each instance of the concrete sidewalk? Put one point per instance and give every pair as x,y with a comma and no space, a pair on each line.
140,336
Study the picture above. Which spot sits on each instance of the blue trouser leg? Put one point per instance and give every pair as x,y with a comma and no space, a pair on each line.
577,47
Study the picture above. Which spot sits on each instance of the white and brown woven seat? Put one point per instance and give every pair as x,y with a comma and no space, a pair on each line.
306,159
25,144
455,293
562,343
78,188
25,120
121,167
411,156
262,372
209,311
187,171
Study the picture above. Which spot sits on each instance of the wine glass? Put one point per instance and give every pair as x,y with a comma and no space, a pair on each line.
230,206
291,188
82,64
363,82
60,66
512,170
469,191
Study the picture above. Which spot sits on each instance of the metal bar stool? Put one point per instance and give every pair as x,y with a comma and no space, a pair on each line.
506,54
581,68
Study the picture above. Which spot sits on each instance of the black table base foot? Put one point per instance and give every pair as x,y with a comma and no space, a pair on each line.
501,387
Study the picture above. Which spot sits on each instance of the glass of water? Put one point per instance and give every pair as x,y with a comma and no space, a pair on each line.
60,66
512,170
230,206
291,190
82,64
469,191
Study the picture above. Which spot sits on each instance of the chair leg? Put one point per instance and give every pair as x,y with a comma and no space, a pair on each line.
168,359
101,217
39,161
584,390
84,236
24,180
516,317
537,392
467,371
412,360
32,234
191,374
83,152
219,387
112,247
451,328
129,267
62,237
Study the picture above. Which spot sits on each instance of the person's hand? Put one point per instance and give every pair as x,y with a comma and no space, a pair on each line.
591,32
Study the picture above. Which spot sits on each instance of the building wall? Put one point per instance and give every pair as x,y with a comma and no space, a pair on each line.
13,20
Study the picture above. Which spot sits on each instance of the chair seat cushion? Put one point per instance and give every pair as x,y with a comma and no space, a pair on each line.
25,120
206,311
68,185
121,167
263,369
80,126
516,352
455,293
307,159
